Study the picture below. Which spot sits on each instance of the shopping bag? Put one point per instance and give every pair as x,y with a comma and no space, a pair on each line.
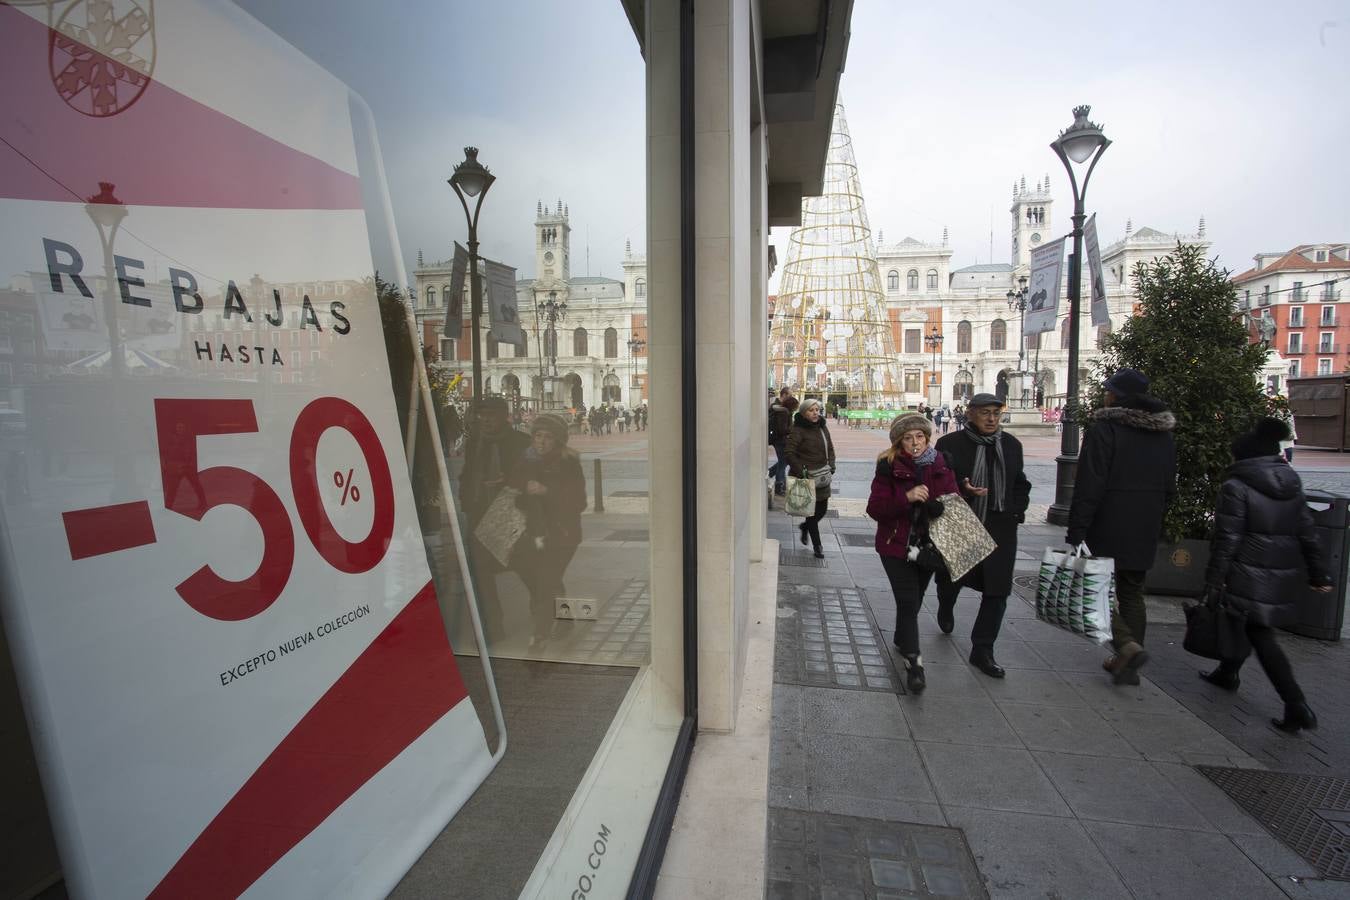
1216,630
1075,591
959,536
801,497
501,526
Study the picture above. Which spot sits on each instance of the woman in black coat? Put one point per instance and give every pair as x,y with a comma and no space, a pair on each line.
1263,545
811,452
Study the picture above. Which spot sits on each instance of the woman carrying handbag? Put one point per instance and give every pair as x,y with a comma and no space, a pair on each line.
810,454
1263,539
910,476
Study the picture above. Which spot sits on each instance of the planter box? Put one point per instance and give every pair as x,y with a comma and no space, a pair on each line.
1179,569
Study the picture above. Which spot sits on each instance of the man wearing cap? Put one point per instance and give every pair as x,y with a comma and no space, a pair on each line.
1127,473
988,466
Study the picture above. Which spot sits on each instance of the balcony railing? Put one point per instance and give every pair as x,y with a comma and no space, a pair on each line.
1329,296
1296,351
1326,349
1296,322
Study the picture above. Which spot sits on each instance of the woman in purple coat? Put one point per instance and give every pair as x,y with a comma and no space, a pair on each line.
909,478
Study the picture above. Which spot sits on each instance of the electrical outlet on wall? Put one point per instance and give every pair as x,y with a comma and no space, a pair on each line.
579,608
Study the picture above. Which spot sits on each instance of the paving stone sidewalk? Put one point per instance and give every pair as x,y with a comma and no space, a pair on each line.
1056,783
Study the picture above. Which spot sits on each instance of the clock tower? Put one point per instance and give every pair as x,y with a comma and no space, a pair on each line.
552,245
1031,222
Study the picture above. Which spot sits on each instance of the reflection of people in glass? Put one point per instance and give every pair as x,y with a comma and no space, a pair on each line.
492,451
553,496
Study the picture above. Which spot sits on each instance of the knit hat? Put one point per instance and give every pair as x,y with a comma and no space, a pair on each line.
1126,382
554,425
909,422
1263,440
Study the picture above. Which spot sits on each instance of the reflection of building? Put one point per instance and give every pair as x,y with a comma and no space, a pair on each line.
969,306
590,341
1293,301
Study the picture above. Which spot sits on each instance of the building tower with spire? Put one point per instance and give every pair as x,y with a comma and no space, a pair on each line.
1031,220
552,244
831,335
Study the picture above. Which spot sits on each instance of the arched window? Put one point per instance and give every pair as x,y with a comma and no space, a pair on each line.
510,385
611,343
998,335
963,337
431,297
491,346
932,280
1064,334
579,342
912,280
640,288
611,390
893,281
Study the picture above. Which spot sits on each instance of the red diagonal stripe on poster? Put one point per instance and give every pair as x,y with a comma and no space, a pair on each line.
403,683
166,149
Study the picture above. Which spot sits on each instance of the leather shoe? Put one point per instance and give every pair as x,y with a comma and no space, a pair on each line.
946,617
819,554
802,529
1296,717
1229,681
985,663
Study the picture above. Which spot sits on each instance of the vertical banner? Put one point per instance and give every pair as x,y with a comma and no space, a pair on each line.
454,304
1047,261
501,295
212,574
1101,314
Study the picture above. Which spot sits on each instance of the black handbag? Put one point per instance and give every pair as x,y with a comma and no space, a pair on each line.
922,551
1215,629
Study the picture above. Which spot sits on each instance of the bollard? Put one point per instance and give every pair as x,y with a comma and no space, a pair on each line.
599,489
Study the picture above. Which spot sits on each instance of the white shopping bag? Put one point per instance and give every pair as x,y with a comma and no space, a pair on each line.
1075,592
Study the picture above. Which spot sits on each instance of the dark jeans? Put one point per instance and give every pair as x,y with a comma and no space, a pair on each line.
988,620
1130,620
1273,661
811,524
779,469
908,583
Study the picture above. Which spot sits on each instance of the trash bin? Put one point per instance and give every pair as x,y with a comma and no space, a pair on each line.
1320,615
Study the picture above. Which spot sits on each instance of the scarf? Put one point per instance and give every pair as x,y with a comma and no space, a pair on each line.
925,458
979,478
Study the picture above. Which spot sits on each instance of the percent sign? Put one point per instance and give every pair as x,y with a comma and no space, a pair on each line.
348,488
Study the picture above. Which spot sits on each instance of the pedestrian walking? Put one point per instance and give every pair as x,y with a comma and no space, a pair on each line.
780,423
810,453
910,476
1127,472
987,462
1262,552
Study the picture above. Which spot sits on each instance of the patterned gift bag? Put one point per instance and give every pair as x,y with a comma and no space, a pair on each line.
801,497
1075,591
959,536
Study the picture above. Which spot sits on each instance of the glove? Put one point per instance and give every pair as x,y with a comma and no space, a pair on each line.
934,508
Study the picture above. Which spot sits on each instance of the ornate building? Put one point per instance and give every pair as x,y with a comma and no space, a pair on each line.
585,336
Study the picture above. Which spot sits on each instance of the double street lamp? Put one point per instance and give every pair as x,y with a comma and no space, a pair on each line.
472,180
551,312
934,341
1081,143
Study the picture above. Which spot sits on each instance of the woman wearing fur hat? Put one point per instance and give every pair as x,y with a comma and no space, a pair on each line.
552,496
1263,547
811,452
910,476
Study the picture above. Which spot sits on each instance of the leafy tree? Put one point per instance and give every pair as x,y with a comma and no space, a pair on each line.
1189,341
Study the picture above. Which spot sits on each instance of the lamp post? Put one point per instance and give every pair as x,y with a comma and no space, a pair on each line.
471,179
1017,302
934,341
635,345
1082,142
551,312
107,213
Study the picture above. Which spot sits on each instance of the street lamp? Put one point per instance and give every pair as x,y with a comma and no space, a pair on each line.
107,213
551,312
934,341
635,346
1082,142
472,179
1017,302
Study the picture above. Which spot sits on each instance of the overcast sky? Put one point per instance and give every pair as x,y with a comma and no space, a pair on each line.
1234,111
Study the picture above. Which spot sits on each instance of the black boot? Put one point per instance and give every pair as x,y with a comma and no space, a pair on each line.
802,529
946,616
982,658
914,680
820,554
1220,678
1297,716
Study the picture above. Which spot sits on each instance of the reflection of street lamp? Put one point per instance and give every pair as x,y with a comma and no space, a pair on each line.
1080,142
635,346
552,311
472,179
107,213
934,341
1017,302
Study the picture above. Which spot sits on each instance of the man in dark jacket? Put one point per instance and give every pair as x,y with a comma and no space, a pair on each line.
1127,473
988,466
780,423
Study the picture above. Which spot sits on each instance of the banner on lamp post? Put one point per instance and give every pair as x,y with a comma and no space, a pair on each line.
1101,315
503,315
454,304
1043,300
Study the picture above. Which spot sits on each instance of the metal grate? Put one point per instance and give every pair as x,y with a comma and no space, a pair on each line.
1310,813
629,534
827,638
799,558
856,538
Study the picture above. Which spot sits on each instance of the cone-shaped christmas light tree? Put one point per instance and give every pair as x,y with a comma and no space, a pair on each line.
830,334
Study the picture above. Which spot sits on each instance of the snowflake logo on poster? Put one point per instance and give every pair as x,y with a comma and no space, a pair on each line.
102,55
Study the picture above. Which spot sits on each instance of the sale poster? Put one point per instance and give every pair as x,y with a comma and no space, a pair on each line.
215,585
